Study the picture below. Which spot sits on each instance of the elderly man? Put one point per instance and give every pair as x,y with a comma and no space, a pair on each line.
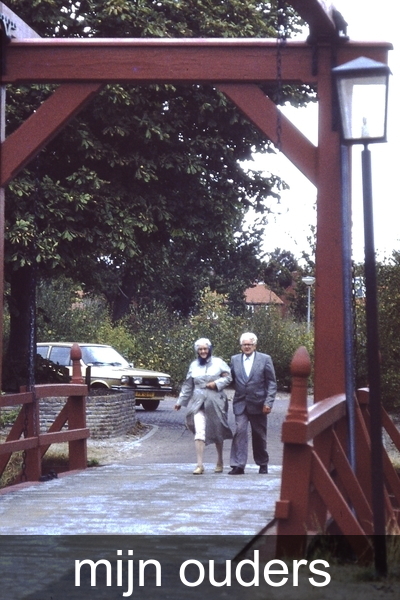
255,389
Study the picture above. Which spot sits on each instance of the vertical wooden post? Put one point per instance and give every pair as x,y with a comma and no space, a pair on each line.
292,509
329,370
363,443
33,459
2,225
77,414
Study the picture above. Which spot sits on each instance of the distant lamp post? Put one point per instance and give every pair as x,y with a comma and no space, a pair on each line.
362,88
309,281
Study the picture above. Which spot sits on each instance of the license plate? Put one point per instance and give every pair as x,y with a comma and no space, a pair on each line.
144,394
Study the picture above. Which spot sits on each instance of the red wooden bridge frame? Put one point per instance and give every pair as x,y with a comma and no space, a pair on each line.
25,433
320,492
235,67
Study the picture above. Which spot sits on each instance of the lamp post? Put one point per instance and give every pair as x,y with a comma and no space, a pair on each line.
309,281
362,87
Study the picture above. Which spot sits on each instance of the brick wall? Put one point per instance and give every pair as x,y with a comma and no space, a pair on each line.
107,416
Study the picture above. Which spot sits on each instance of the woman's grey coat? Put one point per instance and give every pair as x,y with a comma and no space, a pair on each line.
213,402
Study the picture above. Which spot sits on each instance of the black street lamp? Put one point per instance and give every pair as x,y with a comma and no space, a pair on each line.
362,88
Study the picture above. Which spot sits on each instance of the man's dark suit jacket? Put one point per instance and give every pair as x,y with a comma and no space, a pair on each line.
256,391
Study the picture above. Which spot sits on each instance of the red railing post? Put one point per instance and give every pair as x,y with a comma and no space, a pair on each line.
292,509
32,461
77,414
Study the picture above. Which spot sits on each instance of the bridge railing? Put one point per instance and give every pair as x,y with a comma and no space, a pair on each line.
320,492
25,435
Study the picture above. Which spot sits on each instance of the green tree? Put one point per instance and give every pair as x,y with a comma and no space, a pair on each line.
388,278
278,272
388,282
144,190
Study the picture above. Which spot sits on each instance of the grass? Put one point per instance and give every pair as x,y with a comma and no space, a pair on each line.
8,417
55,459
12,470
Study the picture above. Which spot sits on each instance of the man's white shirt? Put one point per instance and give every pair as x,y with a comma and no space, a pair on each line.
248,363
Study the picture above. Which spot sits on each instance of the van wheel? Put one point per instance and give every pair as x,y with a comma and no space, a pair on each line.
150,404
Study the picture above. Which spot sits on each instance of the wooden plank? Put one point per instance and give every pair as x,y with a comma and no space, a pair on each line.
60,390
58,437
322,415
333,499
16,399
14,26
56,60
147,60
349,481
18,445
42,126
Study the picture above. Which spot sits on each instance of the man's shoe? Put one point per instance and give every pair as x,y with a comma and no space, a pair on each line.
263,469
236,471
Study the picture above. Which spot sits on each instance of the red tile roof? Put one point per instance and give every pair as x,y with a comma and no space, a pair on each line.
261,294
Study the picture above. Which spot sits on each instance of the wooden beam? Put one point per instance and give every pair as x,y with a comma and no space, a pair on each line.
261,111
148,60
56,60
42,126
318,14
60,390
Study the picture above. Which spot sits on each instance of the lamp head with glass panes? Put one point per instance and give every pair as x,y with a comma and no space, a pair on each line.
362,88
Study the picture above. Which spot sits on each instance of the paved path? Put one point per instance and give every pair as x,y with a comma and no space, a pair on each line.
145,501
150,489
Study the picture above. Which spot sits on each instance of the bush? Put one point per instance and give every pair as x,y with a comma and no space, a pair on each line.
164,341
47,371
66,314
161,341
152,337
388,281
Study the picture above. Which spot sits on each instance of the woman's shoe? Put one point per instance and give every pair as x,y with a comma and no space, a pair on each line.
219,469
199,470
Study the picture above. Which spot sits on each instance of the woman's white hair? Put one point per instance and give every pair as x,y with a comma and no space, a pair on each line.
248,336
202,342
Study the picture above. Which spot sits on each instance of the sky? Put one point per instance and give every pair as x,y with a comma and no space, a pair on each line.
289,227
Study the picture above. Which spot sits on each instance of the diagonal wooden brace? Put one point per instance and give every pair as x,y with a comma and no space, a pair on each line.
261,111
42,126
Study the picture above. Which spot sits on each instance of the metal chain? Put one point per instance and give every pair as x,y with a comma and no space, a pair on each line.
281,42
32,290
24,476
32,293
32,329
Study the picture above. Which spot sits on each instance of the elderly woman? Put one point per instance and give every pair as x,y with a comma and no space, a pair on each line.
207,413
